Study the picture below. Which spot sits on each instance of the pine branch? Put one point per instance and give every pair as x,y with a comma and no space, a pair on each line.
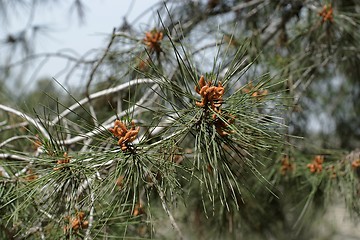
31,120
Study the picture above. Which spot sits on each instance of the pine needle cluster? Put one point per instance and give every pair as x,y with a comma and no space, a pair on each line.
184,140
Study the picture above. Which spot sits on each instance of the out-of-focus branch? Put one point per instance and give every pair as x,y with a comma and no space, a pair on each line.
100,94
13,157
27,118
15,138
4,173
47,55
136,109
93,71
12,126
164,204
244,5
91,216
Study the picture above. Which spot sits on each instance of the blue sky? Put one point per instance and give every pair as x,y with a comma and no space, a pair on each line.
64,31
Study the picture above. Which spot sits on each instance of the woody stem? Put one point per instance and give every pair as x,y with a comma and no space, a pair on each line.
164,205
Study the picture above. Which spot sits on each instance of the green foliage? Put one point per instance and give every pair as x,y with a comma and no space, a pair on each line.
188,139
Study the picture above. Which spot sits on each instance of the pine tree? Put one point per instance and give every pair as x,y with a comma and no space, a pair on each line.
193,129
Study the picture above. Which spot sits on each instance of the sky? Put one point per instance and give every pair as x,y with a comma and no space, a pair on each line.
64,31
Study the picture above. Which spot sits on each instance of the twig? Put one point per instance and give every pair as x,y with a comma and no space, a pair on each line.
15,138
92,74
100,94
91,216
257,9
32,231
18,125
2,123
297,97
13,157
23,171
4,173
47,214
109,123
160,127
135,108
175,134
164,205
93,114
27,118
85,184
241,6
93,71
80,137
48,55
87,143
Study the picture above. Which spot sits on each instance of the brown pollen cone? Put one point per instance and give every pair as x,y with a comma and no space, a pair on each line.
316,165
153,40
124,135
210,94
286,165
64,160
77,222
327,14
212,97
